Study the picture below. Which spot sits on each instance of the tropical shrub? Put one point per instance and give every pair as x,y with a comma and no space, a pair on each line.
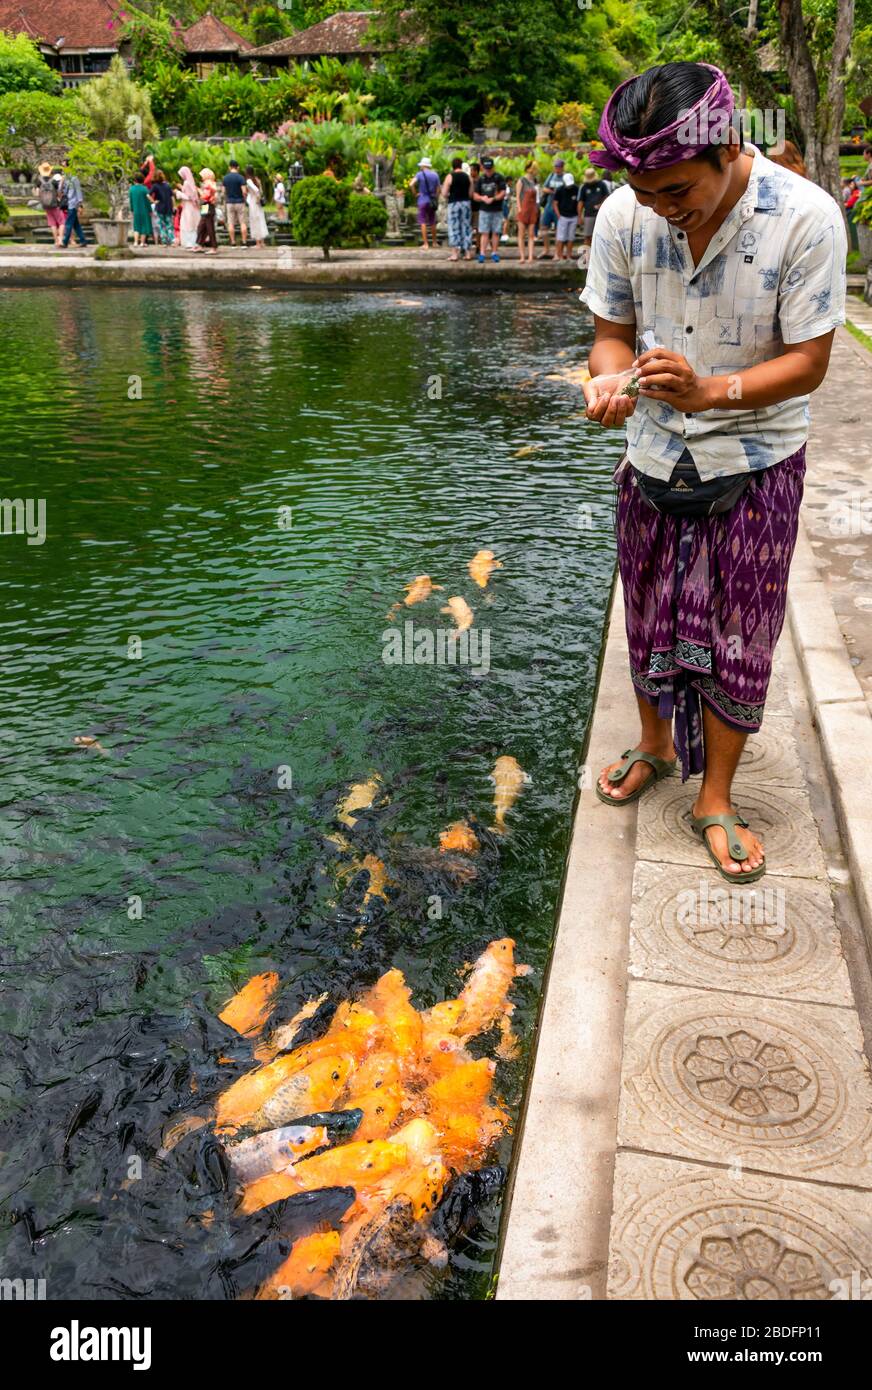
155,41
863,209
4,210
23,68
116,107
318,208
106,167
365,220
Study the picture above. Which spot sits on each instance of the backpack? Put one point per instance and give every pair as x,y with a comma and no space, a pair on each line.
48,192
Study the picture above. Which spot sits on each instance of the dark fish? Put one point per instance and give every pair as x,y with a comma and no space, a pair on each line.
84,1111
458,1212
339,1124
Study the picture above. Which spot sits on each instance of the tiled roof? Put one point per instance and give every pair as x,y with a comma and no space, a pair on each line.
339,34
211,35
80,23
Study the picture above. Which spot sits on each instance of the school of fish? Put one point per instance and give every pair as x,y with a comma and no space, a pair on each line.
420,1110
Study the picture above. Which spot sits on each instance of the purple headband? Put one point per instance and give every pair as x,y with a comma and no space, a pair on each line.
663,147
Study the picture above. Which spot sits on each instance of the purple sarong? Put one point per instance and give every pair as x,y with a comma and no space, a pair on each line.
705,601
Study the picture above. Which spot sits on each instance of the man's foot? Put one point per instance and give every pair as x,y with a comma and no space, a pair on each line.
638,774
716,838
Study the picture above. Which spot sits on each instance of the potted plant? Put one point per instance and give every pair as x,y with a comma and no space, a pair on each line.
107,167
495,119
544,114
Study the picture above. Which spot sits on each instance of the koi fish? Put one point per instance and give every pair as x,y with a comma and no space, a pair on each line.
309,1261
249,1010
524,452
314,1088
359,798
282,1037
484,997
358,1164
178,1130
508,778
484,562
389,999
254,1158
382,1107
85,741
459,836
418,591
461,612
248,1096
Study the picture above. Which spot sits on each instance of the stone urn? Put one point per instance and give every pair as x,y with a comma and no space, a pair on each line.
864,237
543,133
111,231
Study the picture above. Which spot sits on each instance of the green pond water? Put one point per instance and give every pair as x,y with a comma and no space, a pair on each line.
210,603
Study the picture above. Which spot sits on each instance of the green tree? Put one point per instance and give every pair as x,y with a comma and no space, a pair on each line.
106,167
22,66
31,122
266,23
450,53
318,209
117,108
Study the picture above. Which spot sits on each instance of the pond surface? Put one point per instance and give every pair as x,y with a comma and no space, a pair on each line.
237,490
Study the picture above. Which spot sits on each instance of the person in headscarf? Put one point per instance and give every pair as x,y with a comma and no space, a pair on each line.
207,239
189,199
716,281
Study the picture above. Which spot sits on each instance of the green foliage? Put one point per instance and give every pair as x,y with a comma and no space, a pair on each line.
318,208
116,107
22,66
107,167
32,121
266,23
4,210
101,253
155,40
366,219
863,208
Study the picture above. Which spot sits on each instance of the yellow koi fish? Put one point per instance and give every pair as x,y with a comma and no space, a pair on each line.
483,564
508,778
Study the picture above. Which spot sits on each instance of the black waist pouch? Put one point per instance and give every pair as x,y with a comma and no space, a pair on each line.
685,494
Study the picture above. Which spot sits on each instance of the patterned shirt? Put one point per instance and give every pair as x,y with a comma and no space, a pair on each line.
773,274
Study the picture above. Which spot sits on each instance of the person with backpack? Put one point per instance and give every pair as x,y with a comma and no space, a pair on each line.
71,200
425,185
48,191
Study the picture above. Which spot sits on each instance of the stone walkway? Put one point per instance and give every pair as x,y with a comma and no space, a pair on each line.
699,1120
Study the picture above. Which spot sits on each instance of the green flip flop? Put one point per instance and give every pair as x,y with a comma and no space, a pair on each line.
661,766
700,824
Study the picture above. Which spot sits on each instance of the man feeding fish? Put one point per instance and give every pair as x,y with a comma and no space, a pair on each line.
729,270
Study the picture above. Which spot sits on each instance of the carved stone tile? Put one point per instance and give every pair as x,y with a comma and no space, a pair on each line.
776,937
781,816
730,1079
681,1232
770,757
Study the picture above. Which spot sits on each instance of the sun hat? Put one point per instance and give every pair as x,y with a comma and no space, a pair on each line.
425,163
568,180
45,168
591,175
207,174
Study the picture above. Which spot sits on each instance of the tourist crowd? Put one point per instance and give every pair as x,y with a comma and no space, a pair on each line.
479,200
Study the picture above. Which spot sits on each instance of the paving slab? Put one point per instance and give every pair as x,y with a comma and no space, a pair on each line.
726,1078
780,815
777,940
685,1232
